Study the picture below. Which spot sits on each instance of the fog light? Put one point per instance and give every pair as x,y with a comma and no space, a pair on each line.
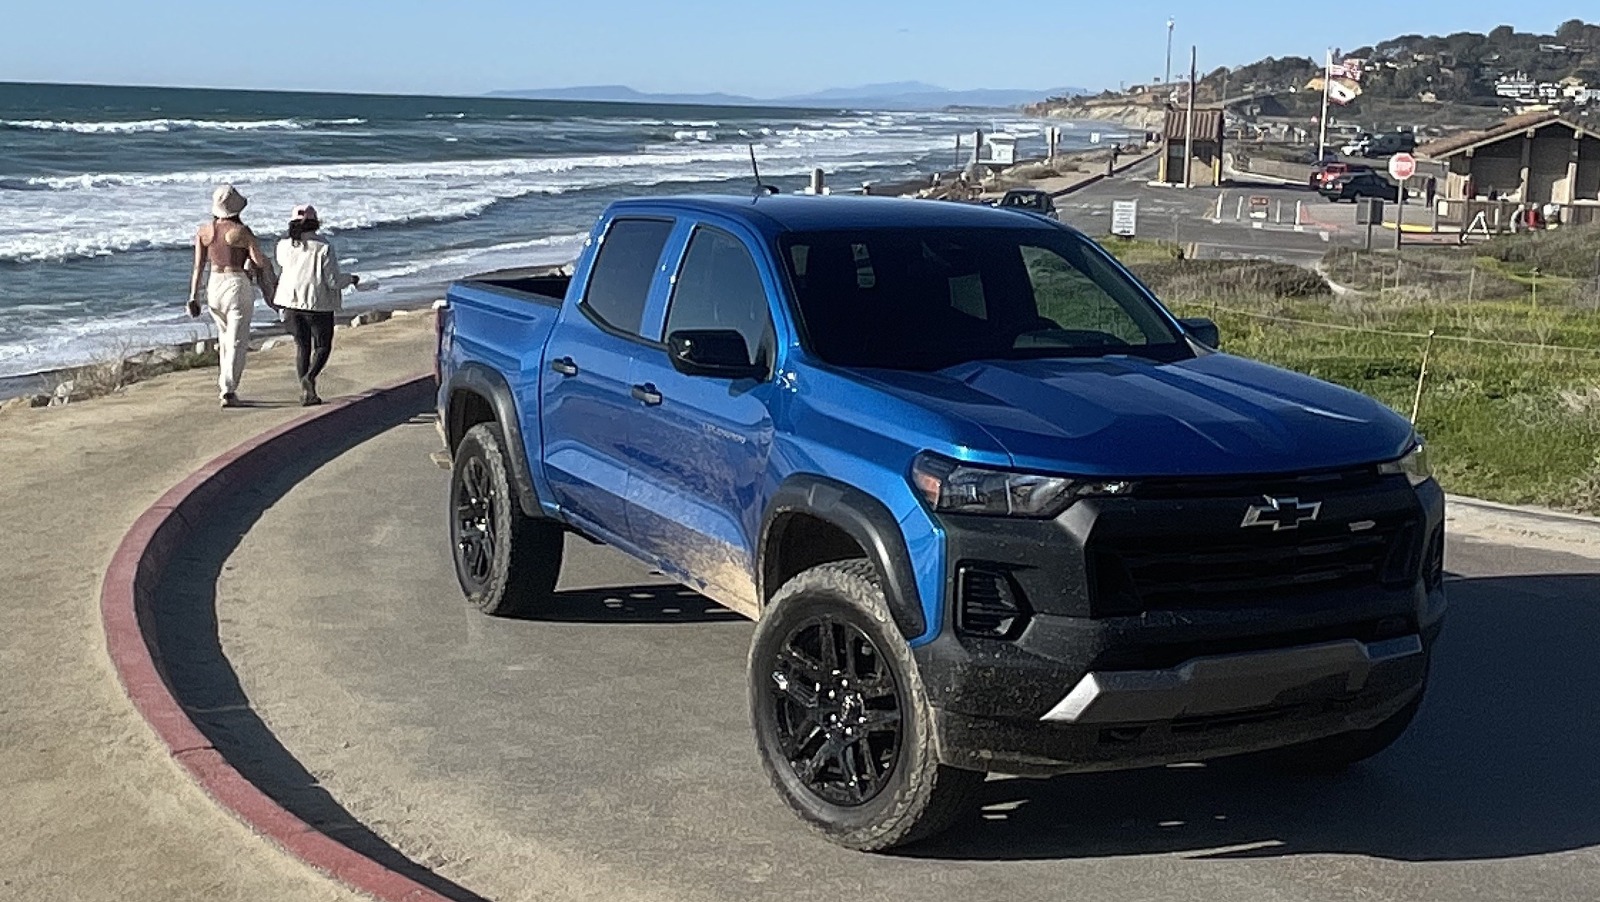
989,604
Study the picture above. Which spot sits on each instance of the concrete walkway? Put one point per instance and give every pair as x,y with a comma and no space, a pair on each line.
91,806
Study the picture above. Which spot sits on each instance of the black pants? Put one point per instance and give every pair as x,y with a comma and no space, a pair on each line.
313,340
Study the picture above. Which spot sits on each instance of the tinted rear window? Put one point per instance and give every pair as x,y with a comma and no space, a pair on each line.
620,283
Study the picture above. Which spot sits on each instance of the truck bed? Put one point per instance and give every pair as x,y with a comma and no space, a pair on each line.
540,284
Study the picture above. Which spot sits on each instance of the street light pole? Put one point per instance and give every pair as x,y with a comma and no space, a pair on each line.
1167,79
1188,125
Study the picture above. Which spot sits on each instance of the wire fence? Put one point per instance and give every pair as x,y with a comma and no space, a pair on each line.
1430,335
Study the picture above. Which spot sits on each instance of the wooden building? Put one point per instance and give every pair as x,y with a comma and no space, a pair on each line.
1536,158
1205,161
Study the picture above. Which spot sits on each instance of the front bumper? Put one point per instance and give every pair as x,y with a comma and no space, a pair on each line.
1109,674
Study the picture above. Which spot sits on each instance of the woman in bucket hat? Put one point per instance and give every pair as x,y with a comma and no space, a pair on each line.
231,249
309,291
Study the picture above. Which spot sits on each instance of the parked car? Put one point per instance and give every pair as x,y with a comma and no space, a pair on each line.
991,505
1030,199
1351,186
1357,146
1389,144
1322,173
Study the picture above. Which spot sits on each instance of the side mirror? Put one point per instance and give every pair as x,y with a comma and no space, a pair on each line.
721,353
1203,330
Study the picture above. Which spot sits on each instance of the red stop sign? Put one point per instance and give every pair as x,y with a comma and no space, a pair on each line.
1402,166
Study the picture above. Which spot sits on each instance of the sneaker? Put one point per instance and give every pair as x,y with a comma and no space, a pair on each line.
230,400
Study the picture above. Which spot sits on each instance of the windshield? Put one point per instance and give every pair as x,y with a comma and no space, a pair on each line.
931,298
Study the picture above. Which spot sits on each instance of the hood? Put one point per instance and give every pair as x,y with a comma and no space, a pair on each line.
1213,415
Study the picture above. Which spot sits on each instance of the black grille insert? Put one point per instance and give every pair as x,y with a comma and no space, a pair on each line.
1238,568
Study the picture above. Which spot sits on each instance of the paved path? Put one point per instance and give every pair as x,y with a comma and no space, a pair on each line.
91,806
604,753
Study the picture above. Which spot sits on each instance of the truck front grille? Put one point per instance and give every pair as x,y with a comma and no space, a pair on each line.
1238,570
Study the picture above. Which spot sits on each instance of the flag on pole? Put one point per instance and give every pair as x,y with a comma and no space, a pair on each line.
1342,92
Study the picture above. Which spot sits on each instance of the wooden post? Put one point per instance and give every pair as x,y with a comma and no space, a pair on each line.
1472,280
1422,376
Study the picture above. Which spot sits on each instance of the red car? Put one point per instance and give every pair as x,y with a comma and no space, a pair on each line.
1325,172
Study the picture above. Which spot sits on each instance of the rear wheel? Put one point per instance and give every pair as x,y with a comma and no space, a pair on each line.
506,561
842,721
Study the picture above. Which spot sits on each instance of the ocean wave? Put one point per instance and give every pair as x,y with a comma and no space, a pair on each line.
98,214
142,126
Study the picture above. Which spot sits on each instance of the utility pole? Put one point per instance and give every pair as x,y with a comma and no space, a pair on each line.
1188,125
1322,133
1167,79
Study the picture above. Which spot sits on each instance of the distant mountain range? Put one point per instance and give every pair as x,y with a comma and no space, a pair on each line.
904,95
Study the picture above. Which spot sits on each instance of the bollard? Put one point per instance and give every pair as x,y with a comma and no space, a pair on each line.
1238,215
1297,207
816,182
1277,213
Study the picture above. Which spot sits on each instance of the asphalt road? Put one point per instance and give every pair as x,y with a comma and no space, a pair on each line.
1188,216
604,752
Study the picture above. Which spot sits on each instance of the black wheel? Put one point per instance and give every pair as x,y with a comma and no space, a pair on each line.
841,717
506,561
1335,754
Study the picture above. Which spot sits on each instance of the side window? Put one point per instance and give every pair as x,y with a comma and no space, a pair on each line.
719,287
620,283
1074,299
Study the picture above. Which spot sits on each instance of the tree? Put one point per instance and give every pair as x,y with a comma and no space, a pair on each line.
1502,35
1572,31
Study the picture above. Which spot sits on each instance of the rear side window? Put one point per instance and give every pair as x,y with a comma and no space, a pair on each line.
620,283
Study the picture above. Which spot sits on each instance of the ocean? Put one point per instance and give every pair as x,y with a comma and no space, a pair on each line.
101,188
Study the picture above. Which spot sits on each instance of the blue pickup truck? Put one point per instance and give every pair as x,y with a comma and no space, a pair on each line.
992,507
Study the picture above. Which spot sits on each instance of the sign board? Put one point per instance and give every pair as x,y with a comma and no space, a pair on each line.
1124,218
1402,166
1094,137
1258,206
1369,211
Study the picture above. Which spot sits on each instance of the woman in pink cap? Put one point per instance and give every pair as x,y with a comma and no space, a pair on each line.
310,289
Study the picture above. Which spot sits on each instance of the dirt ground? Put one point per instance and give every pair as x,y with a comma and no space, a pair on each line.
91,806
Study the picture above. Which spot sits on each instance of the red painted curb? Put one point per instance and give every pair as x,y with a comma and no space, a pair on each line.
127,601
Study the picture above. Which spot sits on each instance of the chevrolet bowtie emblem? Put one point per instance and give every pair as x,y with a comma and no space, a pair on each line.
1281,513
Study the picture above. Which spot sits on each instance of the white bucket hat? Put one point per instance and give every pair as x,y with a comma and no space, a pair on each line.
226,201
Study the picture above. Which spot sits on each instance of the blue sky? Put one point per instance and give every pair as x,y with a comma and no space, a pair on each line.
740,46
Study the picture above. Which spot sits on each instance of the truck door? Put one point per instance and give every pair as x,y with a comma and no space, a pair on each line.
587,401
704,441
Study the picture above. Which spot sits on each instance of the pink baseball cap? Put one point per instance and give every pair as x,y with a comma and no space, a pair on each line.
304,211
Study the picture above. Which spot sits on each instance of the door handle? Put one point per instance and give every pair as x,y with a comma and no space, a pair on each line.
649,394
565,366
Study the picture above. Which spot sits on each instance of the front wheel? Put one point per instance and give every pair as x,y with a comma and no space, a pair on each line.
842,721
506,561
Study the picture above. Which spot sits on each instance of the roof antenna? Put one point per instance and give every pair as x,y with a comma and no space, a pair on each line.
761,188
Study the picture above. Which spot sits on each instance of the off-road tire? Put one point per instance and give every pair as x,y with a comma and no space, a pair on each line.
1335,754
517,578
919,797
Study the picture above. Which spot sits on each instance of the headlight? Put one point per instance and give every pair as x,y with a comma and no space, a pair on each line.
1414,466
951,487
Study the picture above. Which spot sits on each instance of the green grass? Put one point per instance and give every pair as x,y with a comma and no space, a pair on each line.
1512,423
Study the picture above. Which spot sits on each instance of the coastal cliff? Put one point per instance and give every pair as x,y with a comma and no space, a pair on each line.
1125,111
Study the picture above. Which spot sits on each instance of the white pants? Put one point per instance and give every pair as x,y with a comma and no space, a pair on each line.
231,296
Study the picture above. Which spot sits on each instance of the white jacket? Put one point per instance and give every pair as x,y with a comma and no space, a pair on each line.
309,276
